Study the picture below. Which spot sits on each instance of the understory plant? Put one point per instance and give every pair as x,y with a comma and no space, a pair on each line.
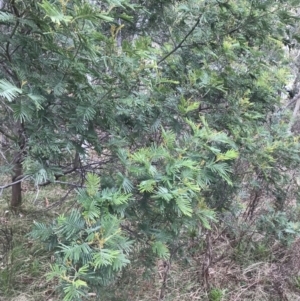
156,199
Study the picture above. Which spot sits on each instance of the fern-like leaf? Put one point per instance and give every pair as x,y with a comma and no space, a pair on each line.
8,90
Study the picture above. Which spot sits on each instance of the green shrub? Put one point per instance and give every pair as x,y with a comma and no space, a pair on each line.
215,294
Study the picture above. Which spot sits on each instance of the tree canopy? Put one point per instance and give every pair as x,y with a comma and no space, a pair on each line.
166,113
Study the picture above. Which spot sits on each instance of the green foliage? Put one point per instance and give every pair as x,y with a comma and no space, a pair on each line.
280,226
90,247
53,98
296,281
166,184
175,104
9,91
215,294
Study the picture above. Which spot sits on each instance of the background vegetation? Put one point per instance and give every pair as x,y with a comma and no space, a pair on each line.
149,150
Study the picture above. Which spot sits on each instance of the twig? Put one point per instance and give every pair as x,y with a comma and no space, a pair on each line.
37,194
70,184
207,260
60,201
13,183
245,289
4,158
183,40
60,175
164,282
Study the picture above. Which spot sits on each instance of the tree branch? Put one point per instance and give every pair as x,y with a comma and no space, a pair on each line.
13,183
183,40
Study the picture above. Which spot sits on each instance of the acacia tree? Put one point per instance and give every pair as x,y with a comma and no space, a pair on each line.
173,92
188,87
235,72
62,78
74,83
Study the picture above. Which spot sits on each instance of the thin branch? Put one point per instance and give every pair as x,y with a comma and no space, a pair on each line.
4,158
8,71
60,201
183,40
13,183
59,176
37,194
8,43
70,184
164,19
15,50
194,27
15,8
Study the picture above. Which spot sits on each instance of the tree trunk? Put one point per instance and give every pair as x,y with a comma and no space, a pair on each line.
16,189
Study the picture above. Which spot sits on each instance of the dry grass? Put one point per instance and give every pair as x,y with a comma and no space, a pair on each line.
263,272
23,262
253,281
